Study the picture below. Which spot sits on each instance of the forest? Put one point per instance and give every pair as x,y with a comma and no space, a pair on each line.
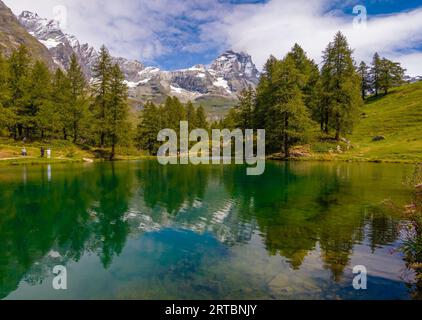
293,98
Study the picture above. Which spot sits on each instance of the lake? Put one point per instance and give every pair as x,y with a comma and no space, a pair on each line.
138,230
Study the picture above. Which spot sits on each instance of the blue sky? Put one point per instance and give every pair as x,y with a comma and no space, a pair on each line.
178,34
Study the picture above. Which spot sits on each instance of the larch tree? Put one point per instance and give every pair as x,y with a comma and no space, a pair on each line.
376,69
117,116
245,109
365,78
101,89
61,94
77,105
341,87
19,67
38,112
288,120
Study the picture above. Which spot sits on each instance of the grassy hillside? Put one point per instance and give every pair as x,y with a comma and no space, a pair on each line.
397,117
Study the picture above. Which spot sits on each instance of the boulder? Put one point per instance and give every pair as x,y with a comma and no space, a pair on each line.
378,138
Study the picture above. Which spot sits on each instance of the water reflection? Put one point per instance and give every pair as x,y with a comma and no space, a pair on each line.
319,212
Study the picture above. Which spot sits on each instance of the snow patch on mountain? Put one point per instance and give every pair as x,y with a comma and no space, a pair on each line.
230,73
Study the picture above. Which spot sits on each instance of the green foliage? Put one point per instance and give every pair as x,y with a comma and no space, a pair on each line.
153,119
36,104
341,94
150,124
365,78
76,108
117,115
385,74
101,91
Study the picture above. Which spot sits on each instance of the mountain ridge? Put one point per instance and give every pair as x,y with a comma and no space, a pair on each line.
13,35
224,78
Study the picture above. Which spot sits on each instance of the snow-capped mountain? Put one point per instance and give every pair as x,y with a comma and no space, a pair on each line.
410,79
62,45
225,77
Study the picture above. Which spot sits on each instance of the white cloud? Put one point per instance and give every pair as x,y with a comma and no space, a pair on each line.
149,29
274,27
135,29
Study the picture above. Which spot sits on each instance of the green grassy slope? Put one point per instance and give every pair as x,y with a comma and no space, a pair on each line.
397,117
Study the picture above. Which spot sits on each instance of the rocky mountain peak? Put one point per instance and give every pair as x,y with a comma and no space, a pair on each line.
235,64
13,34
62,45
224,78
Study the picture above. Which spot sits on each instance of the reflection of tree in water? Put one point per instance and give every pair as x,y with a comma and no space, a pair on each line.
295,208
298,207
40,216
171,186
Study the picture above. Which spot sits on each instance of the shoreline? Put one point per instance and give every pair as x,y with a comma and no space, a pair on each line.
32,161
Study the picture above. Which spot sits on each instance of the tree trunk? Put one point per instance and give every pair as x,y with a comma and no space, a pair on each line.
102,139
326,122
286,138
75,132
64,134
113,147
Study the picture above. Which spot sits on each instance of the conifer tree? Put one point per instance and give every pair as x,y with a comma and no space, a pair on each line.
288,120
376,69
365,78
391,75
117,116
309,79
246,109
38,112
77,105
101,87
340,86
19,67
265,93
191,115
201,117
149,126
61,94
6,115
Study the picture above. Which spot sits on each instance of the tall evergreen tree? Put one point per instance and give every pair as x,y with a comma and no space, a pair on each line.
201,118
265,93
191,115
101,88
38,112
78,101
287,120
6,115
19,67
117,116
391,75
149,126
376,69
365,78
341,87
246,109
61,94
309,79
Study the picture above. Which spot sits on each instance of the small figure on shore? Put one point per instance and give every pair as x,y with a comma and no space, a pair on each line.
42,152
24,153
48,153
